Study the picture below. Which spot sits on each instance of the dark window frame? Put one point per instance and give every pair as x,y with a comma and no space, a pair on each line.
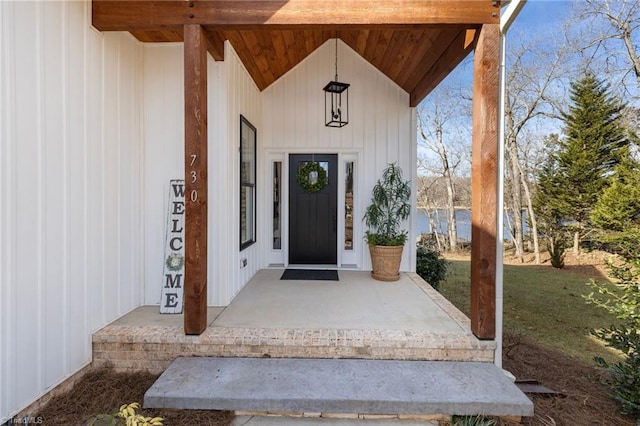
249,237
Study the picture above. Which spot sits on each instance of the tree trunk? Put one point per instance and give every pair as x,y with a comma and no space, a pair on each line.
434,225
516,197
576,242
532,217
452,225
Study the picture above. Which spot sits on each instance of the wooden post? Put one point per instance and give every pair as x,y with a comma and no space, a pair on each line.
484,181
195,174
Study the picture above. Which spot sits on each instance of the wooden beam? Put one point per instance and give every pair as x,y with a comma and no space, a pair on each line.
195,172
159,36
442,67
484,181
215,45
131,15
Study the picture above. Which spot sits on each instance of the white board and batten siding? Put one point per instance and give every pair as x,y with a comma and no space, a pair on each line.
381,130
243,97
70,220
231,93
163,119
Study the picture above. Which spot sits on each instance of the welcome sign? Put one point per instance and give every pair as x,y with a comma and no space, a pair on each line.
173,276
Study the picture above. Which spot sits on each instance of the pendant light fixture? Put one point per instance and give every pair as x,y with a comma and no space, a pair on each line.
336,100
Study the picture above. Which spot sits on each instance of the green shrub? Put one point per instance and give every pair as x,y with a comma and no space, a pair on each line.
431,266
472,421
624,302
556,247
624,376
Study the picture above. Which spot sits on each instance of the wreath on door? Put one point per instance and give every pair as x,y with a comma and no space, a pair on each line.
312,177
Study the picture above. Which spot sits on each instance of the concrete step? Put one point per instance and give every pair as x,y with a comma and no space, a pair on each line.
324,421
296,385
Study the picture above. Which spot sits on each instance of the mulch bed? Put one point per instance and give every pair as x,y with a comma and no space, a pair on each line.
102,391
584,401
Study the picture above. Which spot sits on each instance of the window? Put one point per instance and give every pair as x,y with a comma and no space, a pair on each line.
348,206
247,183
277,222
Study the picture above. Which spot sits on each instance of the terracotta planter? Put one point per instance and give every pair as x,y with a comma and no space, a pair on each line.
385,262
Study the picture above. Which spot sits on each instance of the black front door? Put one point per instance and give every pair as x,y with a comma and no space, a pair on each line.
313,215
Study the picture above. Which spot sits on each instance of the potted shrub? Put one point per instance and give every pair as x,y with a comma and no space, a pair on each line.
390,205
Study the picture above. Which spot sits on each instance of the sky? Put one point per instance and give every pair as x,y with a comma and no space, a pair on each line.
538,14
538,18
541,27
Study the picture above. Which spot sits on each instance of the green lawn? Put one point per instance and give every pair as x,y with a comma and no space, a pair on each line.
542,304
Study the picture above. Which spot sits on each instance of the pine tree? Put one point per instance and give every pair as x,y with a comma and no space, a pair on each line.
618,208
549,204
594,142
617,212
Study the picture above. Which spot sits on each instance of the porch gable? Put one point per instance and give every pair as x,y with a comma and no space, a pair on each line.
416,43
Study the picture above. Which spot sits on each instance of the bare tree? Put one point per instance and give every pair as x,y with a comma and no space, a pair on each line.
534,73
427,203
438,132
607,37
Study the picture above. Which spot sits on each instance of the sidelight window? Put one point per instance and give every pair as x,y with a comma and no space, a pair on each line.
277,207
348,206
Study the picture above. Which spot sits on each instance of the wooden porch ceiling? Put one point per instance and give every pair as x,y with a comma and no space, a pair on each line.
416,43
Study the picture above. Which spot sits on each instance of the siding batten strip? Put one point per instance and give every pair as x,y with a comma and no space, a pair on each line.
41,196
65,188
484,181
8,233
195,130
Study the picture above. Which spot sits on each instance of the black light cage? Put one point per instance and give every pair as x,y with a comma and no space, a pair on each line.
336,106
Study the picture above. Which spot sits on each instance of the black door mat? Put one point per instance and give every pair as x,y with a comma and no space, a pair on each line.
310,275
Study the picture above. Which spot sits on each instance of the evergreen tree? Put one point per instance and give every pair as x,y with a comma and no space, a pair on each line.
595,142
549,204
617,212
618,208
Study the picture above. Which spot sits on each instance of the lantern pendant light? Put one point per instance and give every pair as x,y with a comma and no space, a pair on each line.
336,100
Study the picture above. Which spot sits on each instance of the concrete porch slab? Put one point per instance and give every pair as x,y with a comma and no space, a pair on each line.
355,302
338,386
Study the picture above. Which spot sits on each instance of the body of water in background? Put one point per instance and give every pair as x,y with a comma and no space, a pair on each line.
463,219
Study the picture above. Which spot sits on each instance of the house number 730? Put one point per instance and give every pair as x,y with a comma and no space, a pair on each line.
194,178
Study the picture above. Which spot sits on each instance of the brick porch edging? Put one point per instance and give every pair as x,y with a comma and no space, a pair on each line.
153,348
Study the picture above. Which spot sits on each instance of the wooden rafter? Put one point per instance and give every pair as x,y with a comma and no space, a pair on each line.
416,43
446,62
215,45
